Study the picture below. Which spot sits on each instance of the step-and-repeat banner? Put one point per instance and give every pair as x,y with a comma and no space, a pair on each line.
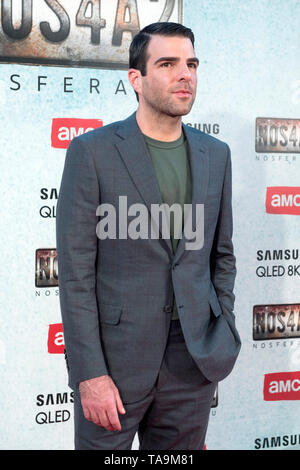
63,73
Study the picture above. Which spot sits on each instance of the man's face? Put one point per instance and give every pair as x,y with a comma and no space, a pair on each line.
169,86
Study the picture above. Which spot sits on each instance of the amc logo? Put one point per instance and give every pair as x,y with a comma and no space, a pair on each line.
65,129
282,386
56,343
283,200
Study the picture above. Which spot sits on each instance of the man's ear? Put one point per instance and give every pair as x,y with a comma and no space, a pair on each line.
135,79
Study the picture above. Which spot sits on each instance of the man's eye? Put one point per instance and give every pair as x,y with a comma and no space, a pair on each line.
166,64
192,65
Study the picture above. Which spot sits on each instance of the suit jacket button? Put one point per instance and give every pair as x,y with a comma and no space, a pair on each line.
168,308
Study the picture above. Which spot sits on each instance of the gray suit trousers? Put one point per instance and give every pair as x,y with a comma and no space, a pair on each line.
174,415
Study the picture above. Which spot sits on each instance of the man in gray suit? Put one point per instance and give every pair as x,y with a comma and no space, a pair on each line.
148,320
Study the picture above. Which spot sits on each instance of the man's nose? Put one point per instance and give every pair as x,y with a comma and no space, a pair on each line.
184,73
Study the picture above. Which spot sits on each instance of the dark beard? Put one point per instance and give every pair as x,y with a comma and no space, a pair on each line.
168,107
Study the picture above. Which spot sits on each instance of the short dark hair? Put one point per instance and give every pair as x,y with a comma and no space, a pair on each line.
139,44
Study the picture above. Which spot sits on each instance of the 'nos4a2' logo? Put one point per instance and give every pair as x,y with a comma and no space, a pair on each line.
86,33
65,129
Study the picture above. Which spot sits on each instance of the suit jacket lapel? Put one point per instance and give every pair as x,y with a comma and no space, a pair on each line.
134,152
199,165
137,159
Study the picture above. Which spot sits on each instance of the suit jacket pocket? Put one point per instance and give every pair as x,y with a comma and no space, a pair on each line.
110,314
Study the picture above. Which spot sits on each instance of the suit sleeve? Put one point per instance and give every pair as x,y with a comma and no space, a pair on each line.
76,243
223,262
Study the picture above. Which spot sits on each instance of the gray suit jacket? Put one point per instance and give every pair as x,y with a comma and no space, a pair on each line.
116,295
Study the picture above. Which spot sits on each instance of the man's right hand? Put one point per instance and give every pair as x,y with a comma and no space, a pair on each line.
101,402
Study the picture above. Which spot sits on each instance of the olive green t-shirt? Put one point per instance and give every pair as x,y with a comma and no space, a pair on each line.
172,167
